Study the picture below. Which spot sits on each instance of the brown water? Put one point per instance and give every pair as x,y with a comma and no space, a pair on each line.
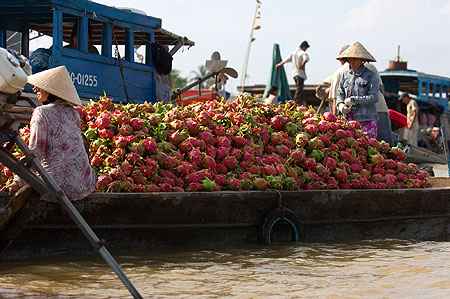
357,269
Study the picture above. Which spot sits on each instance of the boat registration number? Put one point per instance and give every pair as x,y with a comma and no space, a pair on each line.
84,79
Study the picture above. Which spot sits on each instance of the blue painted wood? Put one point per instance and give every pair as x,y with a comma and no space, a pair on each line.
2,37
129,45
57,32
83,34
107,40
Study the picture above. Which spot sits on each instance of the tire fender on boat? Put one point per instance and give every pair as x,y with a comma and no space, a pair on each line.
278,215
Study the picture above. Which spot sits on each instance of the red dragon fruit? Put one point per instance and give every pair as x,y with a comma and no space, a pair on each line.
276,139
195,156
178,136
116,174
221,168
103,121
239,141
282,150
103,182
223,141
193,126
207,137
277,122
329,116
302,139
234,184
230,162
120,141
194,187
211,151
133,158
237,153
222,152
150,145
106,134
136,124
309,164
209,162
330,163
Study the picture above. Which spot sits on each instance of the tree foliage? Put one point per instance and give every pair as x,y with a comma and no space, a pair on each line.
177,80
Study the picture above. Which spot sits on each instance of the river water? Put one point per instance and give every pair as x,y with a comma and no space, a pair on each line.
354,269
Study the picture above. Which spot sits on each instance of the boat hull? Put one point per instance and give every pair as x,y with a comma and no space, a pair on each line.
130,221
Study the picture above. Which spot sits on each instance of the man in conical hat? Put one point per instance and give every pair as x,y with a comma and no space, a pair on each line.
358,90
55,135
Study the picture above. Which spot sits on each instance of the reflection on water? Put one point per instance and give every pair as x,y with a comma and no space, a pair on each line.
367,268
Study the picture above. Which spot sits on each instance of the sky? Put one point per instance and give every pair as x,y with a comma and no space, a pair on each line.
420,27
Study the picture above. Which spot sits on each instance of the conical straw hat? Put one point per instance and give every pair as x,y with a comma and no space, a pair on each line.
57,82
357,50
215,64
327,80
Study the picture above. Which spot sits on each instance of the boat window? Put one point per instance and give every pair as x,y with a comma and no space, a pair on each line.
95,40
13,40
39,40
445,92
431,90
141,45
72,40
70,31
424,89
118,36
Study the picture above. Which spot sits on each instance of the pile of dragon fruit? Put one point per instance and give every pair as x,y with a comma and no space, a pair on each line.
243,145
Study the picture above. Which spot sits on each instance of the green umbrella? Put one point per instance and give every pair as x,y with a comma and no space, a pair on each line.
278,77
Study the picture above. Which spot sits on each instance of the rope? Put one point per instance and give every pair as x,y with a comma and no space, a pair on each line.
119,59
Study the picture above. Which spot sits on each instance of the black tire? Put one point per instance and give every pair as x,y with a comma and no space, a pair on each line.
278,215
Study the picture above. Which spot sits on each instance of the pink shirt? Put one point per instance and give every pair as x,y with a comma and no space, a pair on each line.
55,139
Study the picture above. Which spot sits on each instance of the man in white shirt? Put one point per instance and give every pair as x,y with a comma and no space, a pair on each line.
412,110
299,58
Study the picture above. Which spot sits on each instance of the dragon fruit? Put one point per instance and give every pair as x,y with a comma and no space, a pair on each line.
103,121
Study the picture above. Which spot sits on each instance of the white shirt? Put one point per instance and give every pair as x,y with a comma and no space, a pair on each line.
297,57
336,78
271,99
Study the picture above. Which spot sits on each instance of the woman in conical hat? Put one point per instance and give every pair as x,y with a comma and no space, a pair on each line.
55,135
358,88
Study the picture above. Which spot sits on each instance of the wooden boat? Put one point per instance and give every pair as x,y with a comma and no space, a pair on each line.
130,221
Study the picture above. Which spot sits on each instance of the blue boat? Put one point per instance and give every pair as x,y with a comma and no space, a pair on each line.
430,90
94,61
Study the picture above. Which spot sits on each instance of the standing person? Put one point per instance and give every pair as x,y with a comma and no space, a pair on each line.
336,79
384,129
358,88
272,97
55,135
299,58
412,110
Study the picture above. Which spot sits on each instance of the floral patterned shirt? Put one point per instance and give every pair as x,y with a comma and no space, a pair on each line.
55,139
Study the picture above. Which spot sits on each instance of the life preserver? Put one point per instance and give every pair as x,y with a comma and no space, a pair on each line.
277,215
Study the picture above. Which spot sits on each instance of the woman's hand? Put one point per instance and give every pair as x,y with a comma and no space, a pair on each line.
348,102
344,109
12,188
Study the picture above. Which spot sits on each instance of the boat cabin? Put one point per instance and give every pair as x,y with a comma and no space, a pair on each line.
428,89
91,40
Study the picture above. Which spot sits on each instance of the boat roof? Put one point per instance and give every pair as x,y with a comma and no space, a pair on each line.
413,74
38,14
